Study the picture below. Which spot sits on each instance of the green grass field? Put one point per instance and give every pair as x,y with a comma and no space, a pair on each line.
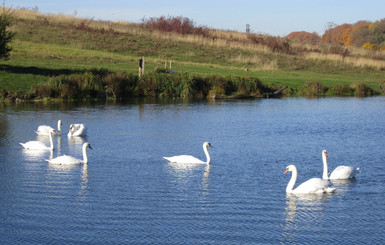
46,46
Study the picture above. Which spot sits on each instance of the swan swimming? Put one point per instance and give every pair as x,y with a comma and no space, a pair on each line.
311,186
64,160
37,145
340,172
191,159
44,129
77,130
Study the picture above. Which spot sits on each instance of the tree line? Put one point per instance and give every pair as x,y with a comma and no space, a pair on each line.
362,34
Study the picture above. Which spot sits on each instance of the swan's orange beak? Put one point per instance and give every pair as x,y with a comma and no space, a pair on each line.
287,170
54,131
326,154
211,145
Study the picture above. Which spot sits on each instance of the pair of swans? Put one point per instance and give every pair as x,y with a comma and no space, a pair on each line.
75,129
64,160
311,186
188,159
37,145
69,160
318,185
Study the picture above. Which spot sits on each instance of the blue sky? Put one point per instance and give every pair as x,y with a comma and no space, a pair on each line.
274,17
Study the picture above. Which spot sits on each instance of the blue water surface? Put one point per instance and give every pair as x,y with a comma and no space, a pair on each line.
129,194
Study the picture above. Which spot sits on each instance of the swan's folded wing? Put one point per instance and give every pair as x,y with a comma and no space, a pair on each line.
183,159
314,185
34,145
65,160
343,172
80,130
43,130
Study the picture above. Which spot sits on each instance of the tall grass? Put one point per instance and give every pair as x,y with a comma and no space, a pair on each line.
256,62
355,61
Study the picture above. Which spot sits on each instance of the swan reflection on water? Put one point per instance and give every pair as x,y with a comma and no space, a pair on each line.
57,170
183,167
77,140
342,183
185,171
302,210
36,155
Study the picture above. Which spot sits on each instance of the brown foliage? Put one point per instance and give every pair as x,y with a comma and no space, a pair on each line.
338,35
181,25
358,34
313,89
304,37
362,90
343,90
276,44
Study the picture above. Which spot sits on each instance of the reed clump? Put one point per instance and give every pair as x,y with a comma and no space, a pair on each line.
97,84
316,89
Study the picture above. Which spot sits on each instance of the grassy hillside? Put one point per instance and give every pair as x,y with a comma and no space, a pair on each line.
47,46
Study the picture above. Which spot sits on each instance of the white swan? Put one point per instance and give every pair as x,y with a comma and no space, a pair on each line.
311,186
340,172
64,160
77,130
191,159
44,129
37,145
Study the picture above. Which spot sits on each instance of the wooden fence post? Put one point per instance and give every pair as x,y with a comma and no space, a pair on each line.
141,66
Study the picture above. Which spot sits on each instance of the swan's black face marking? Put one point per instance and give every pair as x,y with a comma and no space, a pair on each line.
210,145
89,146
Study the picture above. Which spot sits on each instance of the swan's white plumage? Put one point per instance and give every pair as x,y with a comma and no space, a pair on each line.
67,160
44,129
343,172
38,145
184,159
311,186
77,130
340,172
191,159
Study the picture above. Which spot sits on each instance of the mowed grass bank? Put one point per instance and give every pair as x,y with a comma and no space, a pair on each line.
47,46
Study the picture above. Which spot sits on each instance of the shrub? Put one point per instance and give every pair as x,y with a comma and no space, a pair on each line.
6,36
121,85
313,89
342,90
181,25
361,90
200,86
369,46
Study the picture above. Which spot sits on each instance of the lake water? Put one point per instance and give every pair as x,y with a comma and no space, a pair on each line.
128,194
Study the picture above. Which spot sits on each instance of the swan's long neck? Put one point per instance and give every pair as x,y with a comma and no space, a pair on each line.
325,163
207,154
85,158
59,126
50,140
292,181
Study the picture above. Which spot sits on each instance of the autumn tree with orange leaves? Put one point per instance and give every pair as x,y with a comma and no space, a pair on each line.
362,34
341,34
304,37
